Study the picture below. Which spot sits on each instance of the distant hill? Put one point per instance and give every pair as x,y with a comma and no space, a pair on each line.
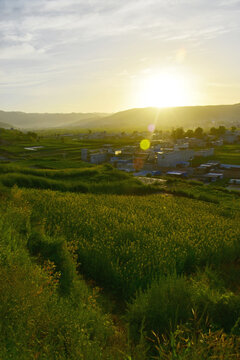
41,121
187,117
5,125
133,119
165,118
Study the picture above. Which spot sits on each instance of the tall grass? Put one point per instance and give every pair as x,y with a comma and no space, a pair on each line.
36,320
124,242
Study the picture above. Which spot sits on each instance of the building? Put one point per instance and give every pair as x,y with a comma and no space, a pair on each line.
217,142
126,166
205,152
84,155
213,176
173,158
98,158
194,142
234,181
230,137
230,166
181,174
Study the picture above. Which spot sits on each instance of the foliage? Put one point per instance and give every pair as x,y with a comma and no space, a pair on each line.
124,242
161,307
170,301
36,321
98,180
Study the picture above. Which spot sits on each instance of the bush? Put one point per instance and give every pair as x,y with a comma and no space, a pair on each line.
55,251
220,306
36,321
161,307
169,302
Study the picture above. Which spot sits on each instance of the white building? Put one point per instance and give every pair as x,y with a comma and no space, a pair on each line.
205,152
84,154
173,158
98,158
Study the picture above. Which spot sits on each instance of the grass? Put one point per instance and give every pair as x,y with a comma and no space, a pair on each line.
226,154
150,251
37,319
89,270
124,242
97,180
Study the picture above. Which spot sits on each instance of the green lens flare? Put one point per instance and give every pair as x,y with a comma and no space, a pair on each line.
145,144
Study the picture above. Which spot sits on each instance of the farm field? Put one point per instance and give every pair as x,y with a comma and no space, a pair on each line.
124,242
95,264
141,267
226,154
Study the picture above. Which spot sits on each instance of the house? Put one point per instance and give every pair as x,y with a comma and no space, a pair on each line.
230,137
98,158
230,166
194,142
234,181
213,176
209,166
172,158
181,174
142,173
205,152
217,142
127,166
84,154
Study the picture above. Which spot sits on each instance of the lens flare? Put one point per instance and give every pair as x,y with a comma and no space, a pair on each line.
151,128
145,144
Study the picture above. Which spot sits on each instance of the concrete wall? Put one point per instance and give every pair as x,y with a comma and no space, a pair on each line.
205,152
84,154
98,158
173,158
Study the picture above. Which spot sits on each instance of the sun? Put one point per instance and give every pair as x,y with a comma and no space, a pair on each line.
164,90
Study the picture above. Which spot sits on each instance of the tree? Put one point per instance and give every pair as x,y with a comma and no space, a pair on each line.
221,130
189,133
198,133
178,133
213,131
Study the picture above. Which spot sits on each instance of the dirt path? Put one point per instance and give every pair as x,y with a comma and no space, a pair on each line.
151,180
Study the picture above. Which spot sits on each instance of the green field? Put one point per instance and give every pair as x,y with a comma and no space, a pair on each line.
126,242
226,154
94,264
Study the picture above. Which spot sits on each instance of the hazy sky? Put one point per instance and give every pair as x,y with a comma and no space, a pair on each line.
103,55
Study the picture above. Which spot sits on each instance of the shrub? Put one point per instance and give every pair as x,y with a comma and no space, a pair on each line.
56,251
161,307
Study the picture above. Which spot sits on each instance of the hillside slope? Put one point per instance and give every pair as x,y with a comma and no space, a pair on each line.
188,117
132,119
5,125
40,121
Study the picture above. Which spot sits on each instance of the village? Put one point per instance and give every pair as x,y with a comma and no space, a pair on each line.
186,157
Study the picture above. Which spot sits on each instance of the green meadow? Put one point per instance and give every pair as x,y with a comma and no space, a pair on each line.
96,265
226,154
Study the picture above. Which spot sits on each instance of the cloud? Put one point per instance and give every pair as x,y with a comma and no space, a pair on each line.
50,22
57,39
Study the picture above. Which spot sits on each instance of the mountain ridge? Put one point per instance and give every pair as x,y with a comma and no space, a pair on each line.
135,118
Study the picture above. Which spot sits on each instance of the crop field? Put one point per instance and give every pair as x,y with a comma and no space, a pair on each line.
226,154
125,242
96,264
161,261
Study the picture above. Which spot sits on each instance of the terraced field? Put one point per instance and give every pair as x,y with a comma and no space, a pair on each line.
124,242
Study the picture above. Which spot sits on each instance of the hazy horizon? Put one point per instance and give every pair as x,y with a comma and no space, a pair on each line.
91,56
110,113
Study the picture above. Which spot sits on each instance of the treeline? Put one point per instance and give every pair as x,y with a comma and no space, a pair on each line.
180,133
14,134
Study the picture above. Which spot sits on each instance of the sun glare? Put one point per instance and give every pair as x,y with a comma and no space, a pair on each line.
164,90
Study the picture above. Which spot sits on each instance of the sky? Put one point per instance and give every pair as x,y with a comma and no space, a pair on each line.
112,55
